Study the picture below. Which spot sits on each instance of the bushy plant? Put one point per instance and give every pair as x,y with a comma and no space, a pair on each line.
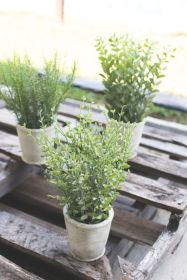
89,168
131,74
32,96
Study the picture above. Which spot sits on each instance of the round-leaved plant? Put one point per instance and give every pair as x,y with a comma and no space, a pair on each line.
88,164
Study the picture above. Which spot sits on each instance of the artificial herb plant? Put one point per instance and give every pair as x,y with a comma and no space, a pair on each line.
131,74
89,168
31,96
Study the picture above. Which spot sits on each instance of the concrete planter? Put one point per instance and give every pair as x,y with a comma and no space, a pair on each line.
87,241
31,150
137,130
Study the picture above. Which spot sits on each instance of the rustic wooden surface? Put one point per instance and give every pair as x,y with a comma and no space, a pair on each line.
10,271
32,224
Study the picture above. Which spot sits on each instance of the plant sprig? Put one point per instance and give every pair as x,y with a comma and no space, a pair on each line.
89,168
30,95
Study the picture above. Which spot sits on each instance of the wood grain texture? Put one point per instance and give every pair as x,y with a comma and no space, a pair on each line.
71,110
48,242
178,128
10,271
161,167
16,174
152,192
164,136
34,192
169,148
9,145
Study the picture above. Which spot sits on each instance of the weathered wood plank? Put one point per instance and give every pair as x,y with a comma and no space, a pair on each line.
164,136
167,242
152,192
70,110
170,148
9,145
16,174
160,166
48,242
10,271
135,228
181,129
150,261
34,192
4,166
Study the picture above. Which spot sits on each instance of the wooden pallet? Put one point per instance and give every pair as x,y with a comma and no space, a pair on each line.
33,239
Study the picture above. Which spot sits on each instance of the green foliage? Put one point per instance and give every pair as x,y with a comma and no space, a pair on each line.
88,169
168,114
31,96
131,73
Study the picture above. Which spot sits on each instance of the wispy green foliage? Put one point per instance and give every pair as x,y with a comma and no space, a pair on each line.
89,169
131,74
32,96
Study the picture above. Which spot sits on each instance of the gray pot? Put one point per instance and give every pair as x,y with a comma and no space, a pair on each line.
31,150
87,241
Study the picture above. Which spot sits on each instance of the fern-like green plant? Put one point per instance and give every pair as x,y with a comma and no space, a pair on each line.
31,96
131,74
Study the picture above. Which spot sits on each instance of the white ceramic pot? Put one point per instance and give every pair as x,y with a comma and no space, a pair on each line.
87,241
137,130
31,150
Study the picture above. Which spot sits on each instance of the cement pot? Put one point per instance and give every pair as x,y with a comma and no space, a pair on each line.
87,241
137,130
31,150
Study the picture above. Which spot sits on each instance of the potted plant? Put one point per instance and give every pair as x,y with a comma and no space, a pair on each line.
88,171
33,98
131,73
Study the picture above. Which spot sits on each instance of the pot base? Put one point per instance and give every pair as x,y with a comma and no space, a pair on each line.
85,259
31,162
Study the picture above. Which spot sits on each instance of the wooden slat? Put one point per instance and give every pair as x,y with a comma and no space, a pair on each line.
17,174
5,163
152,192
74,111
160,166
169,148
181,129
164,136
135,228
34,192
9,145
144,271
10,271
46,242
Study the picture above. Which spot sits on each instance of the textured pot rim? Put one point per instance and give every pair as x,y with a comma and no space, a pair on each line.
88,226
23,128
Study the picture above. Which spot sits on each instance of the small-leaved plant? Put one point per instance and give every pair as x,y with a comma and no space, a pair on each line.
89,168
131,74
31,96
